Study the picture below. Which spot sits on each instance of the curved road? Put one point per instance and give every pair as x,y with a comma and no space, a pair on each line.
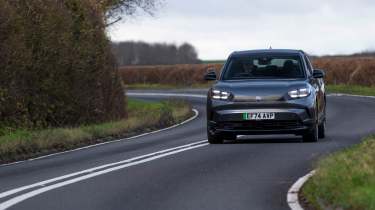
252,173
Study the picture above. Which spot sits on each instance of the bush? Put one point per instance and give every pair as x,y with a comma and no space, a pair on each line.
56,66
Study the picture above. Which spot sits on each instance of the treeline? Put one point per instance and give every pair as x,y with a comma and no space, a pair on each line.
56,64
141,53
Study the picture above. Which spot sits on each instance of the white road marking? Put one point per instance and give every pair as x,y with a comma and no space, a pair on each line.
292,197
41,184
196,114
15,200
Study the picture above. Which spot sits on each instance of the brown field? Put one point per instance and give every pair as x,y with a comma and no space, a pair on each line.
348,70
339,70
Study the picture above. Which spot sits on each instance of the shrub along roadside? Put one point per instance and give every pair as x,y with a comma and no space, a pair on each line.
56,65
345,180
143,117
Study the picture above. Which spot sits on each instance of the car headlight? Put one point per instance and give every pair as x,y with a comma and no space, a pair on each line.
300,93
220,95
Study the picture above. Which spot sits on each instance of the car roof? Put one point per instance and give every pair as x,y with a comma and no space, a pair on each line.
267,51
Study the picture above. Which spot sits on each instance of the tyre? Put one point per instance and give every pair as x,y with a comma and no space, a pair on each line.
214,139
312,135
230,137
322,130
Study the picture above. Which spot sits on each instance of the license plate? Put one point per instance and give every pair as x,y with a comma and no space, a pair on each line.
259,116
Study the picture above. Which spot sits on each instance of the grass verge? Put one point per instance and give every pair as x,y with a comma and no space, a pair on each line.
156,86
351,89
344,180
143,117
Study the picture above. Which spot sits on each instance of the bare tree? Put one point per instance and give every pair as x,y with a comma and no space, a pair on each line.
115,10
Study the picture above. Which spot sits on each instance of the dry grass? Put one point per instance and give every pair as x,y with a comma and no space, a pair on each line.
348,70
340,70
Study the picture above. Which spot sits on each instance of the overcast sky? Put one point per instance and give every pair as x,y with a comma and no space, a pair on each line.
218,27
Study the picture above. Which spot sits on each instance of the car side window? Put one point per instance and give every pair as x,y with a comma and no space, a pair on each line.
308,64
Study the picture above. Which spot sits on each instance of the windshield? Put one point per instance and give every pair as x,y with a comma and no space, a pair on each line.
264,67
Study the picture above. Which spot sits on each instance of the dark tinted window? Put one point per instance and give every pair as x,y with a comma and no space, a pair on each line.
259,67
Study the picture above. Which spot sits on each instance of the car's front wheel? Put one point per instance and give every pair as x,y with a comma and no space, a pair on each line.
312,135
214,139
322,130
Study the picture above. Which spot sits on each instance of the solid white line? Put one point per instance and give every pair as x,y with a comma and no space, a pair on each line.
196,114
292,198
168,94
9,203
43,183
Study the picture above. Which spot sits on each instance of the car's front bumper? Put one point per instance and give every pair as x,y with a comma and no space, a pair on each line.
292,117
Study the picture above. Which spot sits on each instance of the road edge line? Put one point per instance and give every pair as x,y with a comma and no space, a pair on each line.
293,193
196,114
350,95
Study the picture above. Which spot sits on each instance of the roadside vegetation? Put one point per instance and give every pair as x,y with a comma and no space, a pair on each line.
143,116
155,86
345,180
56,66
352,89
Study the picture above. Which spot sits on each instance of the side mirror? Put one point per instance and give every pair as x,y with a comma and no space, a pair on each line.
318,73
210,76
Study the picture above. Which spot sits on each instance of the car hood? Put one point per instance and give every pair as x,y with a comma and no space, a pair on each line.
260,90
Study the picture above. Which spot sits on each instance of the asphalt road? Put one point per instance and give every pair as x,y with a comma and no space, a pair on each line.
252,173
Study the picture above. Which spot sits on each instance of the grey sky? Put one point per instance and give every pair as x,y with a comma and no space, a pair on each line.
218,27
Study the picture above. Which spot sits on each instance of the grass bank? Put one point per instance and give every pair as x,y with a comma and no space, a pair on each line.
155,86
345,180
351,89
143,117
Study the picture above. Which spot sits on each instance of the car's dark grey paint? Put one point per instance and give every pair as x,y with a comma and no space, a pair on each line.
301,116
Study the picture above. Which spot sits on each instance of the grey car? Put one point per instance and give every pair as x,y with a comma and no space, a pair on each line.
266,92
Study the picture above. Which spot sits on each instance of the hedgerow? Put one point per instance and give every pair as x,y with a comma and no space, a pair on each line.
56,66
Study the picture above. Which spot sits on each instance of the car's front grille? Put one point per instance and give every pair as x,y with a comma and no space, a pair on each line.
261,125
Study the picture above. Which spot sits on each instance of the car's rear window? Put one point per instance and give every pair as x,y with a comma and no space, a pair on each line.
264,67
